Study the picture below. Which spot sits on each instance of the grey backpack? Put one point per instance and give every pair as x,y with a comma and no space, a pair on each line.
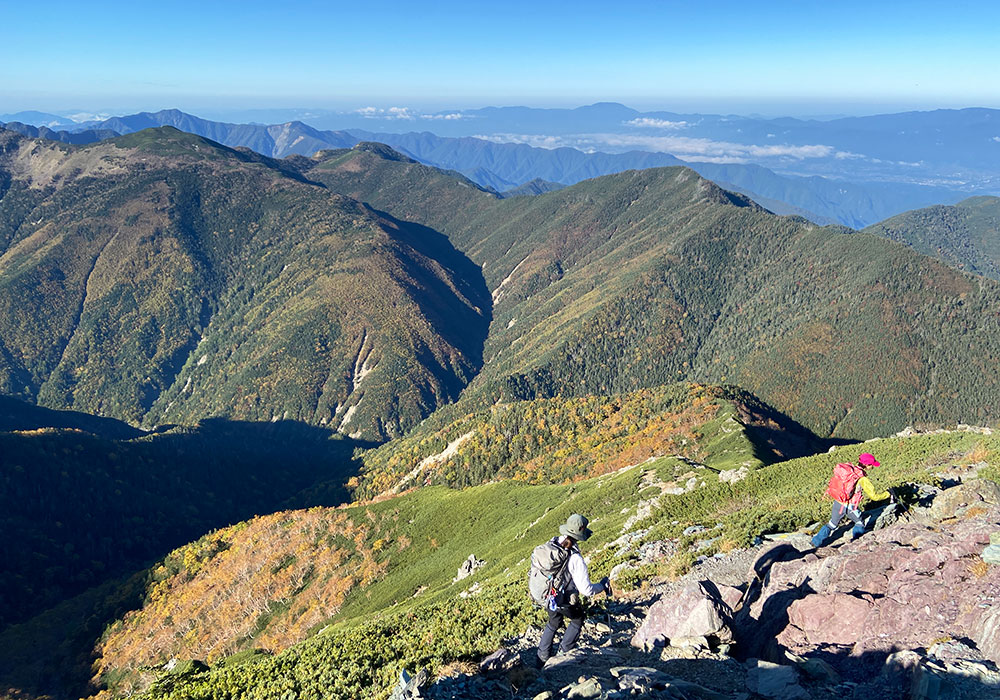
546,577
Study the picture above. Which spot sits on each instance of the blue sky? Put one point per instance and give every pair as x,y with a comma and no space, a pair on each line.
824,56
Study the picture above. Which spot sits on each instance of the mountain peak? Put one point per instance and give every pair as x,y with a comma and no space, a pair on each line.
169,140
382,151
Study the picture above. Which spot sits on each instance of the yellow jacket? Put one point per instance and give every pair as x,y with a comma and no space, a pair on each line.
865,484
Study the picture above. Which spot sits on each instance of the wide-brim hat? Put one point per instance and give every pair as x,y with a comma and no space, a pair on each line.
576,527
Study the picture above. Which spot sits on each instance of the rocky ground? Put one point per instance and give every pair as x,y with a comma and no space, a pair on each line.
906,612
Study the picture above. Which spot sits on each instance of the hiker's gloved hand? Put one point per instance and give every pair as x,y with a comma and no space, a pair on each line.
606,583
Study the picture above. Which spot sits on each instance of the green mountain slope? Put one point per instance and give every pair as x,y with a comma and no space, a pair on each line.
111,506
966,235
396,560
163,277
648,277
270,582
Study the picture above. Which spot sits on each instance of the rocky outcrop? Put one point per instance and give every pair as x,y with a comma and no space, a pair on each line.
902,587
956,502
469,567
906,612
699,610
907,586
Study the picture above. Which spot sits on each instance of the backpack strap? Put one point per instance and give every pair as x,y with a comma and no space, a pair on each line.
558,574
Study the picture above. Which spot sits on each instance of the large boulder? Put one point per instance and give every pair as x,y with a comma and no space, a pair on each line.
697,610
827,618
959,500
469,567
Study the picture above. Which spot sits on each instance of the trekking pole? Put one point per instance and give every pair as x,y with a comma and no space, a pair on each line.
904,509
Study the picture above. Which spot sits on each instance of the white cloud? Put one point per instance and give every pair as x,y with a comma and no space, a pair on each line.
655,123
997,139
401,113
848,155
451,116
683,147
534,140
391,113
89,117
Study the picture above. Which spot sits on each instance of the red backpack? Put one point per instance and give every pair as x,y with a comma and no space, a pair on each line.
844,482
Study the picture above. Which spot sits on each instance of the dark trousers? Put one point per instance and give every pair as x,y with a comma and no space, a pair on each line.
575,616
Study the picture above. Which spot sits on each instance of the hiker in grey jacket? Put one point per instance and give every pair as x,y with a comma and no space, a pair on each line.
577,583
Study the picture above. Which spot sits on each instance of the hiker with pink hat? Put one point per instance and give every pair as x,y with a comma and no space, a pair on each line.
848,486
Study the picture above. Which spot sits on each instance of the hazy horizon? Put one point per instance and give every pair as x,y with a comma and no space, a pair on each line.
237,113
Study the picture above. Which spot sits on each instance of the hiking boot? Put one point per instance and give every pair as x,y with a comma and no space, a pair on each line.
819,539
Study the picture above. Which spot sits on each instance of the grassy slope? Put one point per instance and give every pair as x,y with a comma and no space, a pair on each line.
162,277
267,582
646,278
384,627
966,235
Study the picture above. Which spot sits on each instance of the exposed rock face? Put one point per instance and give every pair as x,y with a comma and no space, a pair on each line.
731,476
902,587
906,612
957,501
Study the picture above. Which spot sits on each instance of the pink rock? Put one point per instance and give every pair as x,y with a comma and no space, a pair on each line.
903,587
832,618
694,611
730,596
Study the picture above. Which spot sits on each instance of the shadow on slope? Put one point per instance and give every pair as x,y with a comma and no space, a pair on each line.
78,509
84,515
21,415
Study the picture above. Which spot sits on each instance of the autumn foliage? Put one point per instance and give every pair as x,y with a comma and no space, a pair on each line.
262,584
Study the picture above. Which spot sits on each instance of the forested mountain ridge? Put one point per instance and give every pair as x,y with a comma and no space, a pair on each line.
647,277
563,439
966,235
189,288
161,277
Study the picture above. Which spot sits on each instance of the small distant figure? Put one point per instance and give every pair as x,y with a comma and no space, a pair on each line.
848,486
558,577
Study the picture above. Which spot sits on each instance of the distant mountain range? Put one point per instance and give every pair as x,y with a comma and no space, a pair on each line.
505,166
35,118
